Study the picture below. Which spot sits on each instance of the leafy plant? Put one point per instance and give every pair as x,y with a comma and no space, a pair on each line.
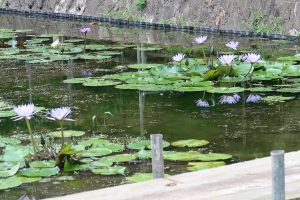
257,22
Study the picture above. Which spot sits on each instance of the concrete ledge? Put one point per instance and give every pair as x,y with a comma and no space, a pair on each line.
246,180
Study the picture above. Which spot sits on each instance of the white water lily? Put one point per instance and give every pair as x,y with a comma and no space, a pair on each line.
226,59
200,39
24,111
178,57
60,114
253,57
233,45
55,44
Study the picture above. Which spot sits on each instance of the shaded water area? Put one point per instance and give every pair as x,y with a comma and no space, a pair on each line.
246,131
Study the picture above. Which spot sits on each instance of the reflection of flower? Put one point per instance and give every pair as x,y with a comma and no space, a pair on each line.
86,73
60,114
226,59
202,103
253,57
229,99
200,39
233,45
253,98
24,111
178,57
85,30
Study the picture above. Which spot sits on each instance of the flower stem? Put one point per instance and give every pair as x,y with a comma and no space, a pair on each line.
62,134
203,53
35,147
84,42
249,70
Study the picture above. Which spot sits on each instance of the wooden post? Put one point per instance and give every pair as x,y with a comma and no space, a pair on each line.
278,185
157,156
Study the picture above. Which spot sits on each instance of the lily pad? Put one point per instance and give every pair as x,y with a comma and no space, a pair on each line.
225,90
9,113
143,66
144,154
10,182
144,144
190,143
95,152
34,172
42,164
274,99
110,170
100,82
195,166
25,179
140,177
9,172
5,141
118,158
194,155
68,133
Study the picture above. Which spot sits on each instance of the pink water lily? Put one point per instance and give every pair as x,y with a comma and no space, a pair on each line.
178,57
85,30
226,59
60,114
200,39
253,57
233,45
24,111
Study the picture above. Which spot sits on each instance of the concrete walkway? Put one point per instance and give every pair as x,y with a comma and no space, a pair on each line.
246,180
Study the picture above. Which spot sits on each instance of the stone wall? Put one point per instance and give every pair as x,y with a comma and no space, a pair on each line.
224,14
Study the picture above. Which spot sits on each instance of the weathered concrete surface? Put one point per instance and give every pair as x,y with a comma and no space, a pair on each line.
246,180
225,14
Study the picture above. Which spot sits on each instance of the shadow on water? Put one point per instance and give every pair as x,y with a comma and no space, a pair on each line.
247,131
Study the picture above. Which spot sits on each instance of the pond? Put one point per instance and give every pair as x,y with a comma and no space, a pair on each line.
244,130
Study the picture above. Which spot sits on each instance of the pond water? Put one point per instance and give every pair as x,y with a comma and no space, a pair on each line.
245,130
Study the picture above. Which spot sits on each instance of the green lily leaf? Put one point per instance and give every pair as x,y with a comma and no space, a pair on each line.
143,144
143,66
190,143
118,158
73,166
140,177
10,182
34,172
94,152
9,172
143,154
110,170
42,164
195,166
68,133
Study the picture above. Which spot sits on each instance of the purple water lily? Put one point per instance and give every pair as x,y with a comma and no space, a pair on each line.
85,30
202,103
254,98
60,114
229,99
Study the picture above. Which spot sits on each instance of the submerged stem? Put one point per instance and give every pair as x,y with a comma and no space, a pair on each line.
203,53
249,70
84,42
35,147
62,134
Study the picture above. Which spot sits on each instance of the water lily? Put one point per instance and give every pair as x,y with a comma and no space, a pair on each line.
254,98
226,59
178,57
85,30
233,45
86,73
229,99
55,44
200,39
253,57
26,111
202,103
61,115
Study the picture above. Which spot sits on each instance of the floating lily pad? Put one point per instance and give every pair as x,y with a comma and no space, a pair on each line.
110,170
260,89
9,172
274,99
73,166
228,79
95,142
195,166
94,152
10,182
25,179
289,90
144,144
68,133
42,164
50,35
100,163
144,154
9,113
144,87
140,177
225,90
5,141
190,143
194,155
100,82
148,48
75,80
118,158
34,172
143,66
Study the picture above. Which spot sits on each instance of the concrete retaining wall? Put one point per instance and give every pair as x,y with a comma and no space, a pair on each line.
225,14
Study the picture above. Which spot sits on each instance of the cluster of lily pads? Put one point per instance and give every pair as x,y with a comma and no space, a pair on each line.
24,164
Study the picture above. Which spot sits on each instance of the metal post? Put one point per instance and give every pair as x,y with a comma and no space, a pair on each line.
278,185
157,156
